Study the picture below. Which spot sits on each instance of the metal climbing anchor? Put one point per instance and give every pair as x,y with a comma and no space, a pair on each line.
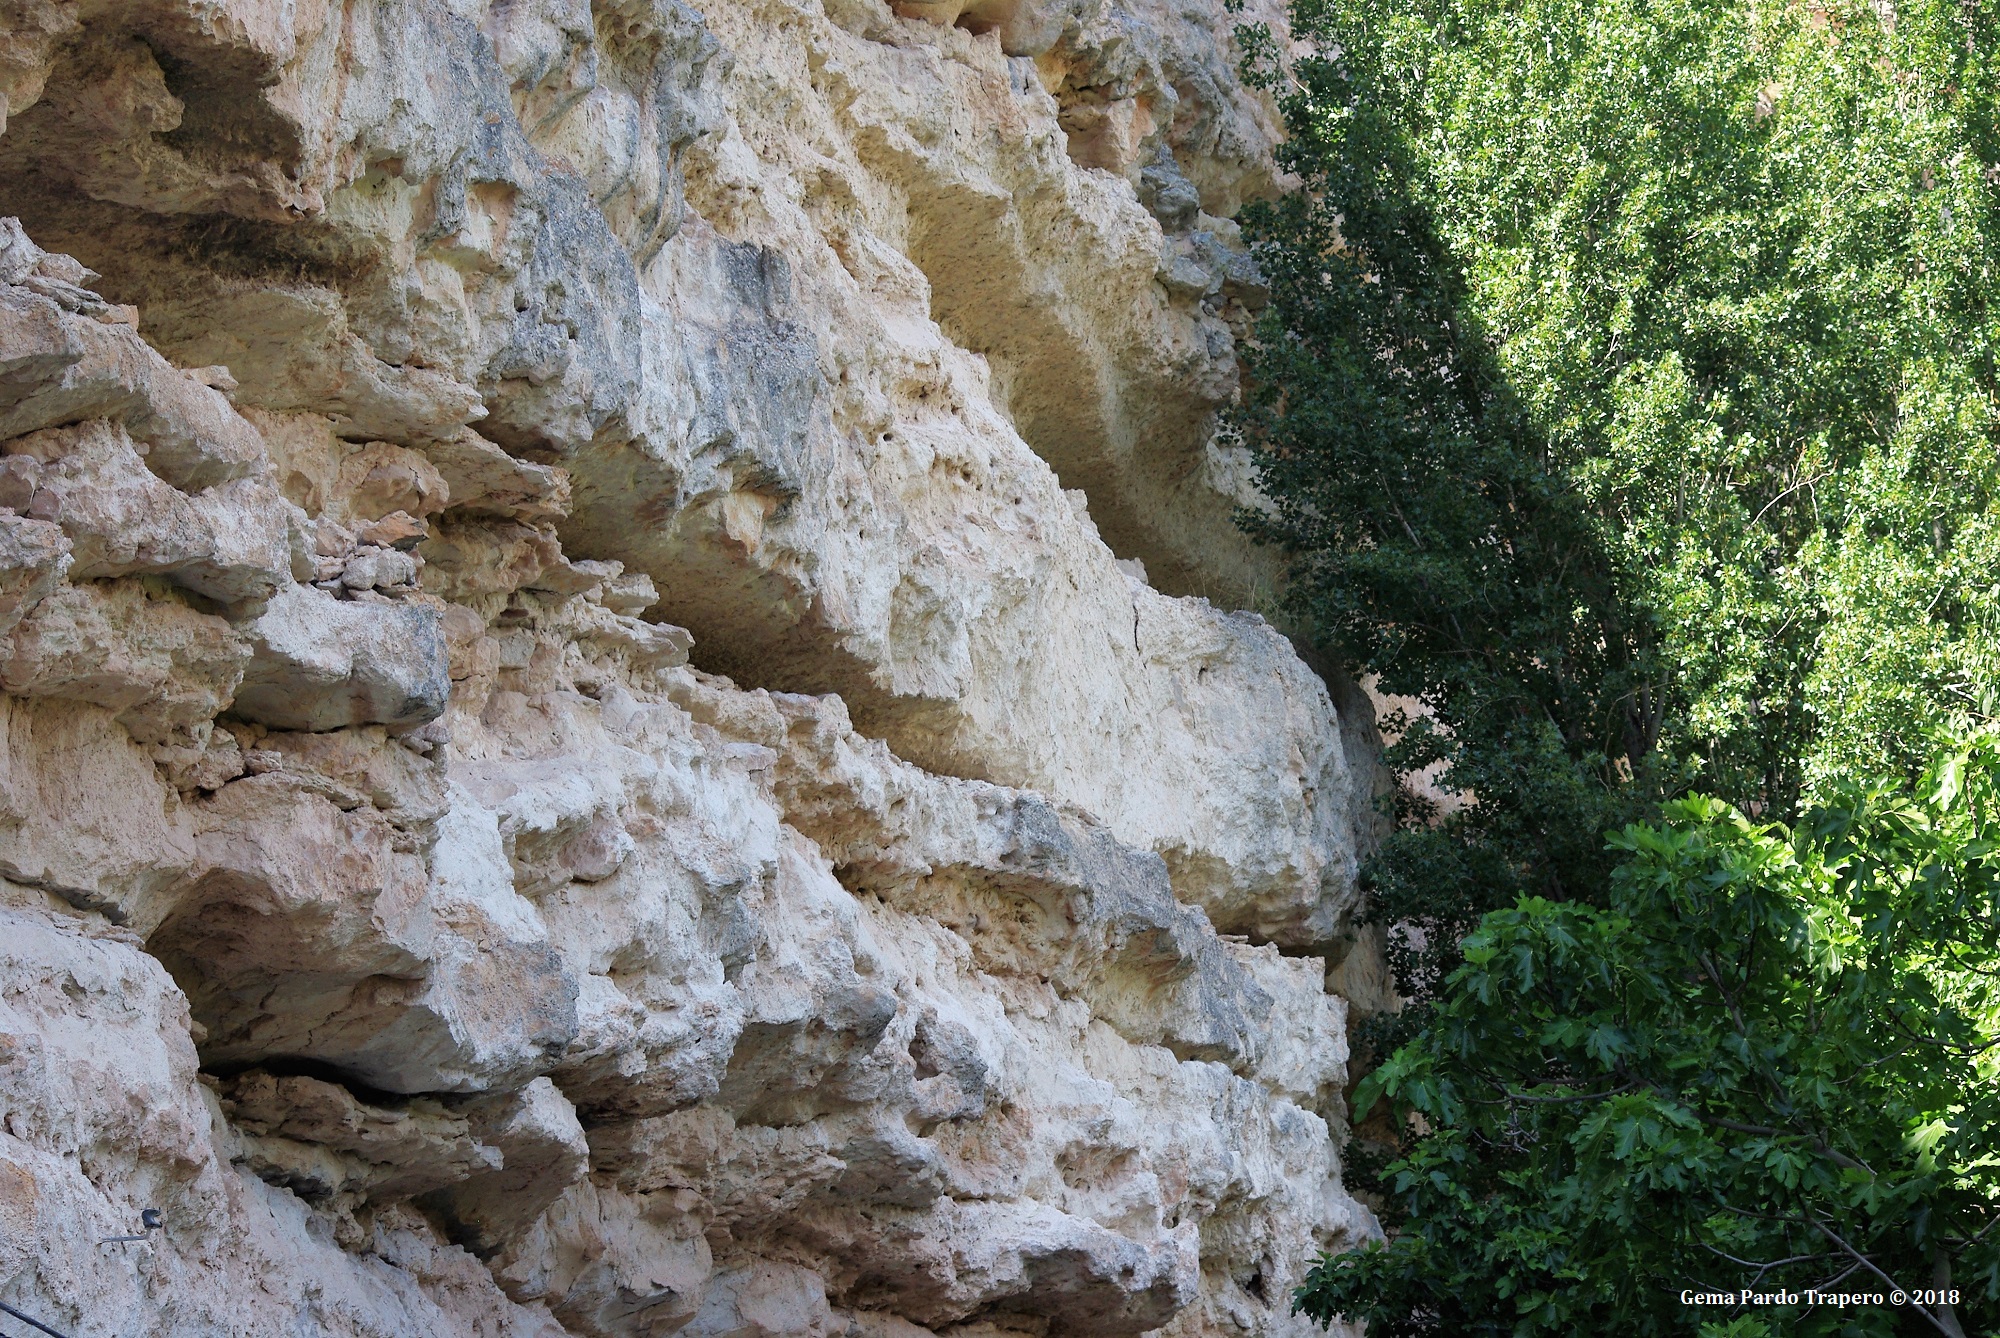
149,1219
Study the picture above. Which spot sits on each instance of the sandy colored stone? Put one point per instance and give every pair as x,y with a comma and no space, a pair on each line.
320,663
34,556
230,543
166,668
607,719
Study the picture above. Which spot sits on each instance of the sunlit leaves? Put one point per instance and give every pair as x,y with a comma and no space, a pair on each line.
1628,396
1767,1040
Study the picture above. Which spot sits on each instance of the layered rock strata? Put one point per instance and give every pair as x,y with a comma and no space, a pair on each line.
586,746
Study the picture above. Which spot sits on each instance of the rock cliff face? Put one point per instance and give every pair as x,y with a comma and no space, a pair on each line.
587,745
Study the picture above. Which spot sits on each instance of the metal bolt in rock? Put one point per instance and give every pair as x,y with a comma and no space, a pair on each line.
149,1219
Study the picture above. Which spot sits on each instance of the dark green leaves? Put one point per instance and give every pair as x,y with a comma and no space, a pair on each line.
1628,399
1628,404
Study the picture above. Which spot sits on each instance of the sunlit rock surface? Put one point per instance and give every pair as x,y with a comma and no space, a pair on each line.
610,723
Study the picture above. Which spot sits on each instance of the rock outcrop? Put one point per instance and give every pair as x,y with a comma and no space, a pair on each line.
586,742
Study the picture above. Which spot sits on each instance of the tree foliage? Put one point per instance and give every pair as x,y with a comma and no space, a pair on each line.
1771,1061
1627,401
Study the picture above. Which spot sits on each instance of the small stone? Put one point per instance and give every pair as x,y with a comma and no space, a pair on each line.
632,593
215,378
18,477
398,529
1183,276
374,568
597,852
66,269
331,539
1167,193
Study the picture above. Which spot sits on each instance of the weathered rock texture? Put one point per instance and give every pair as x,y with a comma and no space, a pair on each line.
586,747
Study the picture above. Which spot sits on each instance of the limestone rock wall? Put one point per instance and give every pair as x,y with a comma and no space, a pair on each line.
606,720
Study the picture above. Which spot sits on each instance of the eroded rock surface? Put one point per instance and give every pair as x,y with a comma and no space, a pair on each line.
586,742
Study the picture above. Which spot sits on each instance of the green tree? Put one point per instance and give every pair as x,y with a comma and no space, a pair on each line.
1627,398
1434,540
1770,1062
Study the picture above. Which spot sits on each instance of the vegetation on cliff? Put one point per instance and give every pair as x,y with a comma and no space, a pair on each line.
1628,399
1766,1063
